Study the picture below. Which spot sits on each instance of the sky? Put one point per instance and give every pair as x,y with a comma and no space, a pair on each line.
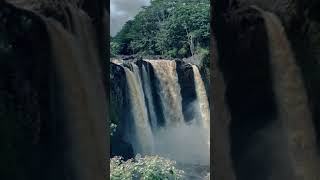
123,10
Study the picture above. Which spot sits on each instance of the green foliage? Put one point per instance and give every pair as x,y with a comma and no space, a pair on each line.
174,28
115,48
144,168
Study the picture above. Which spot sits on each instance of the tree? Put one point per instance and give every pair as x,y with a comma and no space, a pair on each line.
175,28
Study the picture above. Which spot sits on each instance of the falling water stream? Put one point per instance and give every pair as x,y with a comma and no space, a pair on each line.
292,101
185,143
202,97
169,90
143,137
76,63
149,97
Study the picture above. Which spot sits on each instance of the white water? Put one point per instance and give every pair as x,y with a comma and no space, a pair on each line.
169,91
149,97
143,141
202,98
185,143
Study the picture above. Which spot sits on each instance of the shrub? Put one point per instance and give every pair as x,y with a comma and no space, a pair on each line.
144,168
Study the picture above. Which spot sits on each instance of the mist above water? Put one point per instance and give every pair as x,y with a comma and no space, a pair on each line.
186,143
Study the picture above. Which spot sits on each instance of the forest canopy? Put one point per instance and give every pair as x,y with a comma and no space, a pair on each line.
175,28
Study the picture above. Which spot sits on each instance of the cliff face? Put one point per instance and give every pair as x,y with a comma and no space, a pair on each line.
244,62
24,88
188,94
119,115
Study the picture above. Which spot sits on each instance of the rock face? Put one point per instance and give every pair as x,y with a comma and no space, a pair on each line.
245,65
32,108
188,94
24,89
118,111
118,87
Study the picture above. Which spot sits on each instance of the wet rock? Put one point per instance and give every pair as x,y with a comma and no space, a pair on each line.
187,85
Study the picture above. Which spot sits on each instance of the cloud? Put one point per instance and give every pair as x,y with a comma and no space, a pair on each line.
122,11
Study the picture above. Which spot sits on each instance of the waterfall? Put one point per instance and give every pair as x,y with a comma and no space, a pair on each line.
150,81
82,93
143,142
292,101
202,98
149,97
169,90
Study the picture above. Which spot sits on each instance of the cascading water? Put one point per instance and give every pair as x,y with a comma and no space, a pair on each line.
292,100
169,90
143,141
186,143
149,97
202,97
79,76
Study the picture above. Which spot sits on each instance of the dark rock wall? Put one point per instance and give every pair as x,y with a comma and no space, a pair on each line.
245,66
220,142
31,116
119,112
24,106
187,85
